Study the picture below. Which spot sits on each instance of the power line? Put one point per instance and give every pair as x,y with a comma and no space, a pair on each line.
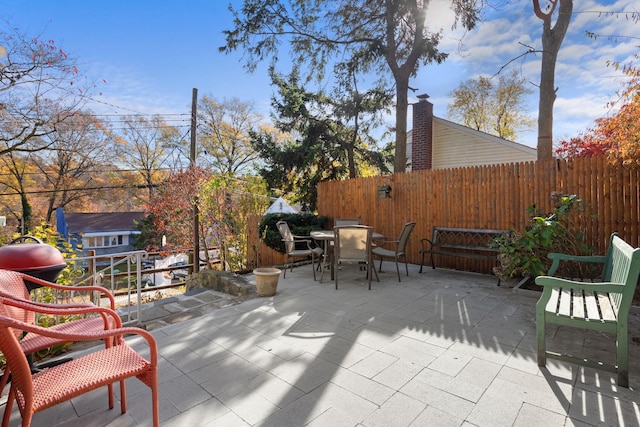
91,98
123,187
142,115
607,12
123,120
110,187
98,171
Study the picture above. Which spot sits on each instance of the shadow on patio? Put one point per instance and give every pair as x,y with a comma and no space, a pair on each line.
440,348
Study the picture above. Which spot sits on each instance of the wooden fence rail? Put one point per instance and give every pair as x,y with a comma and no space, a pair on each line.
494,197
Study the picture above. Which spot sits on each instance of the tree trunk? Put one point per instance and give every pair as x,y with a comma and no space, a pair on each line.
26,213
352,144
545,106
551,41
402,106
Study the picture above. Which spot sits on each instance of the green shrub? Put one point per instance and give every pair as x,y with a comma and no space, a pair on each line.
300,224
524,254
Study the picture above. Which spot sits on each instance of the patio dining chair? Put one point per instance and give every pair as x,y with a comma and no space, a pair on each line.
353,246
37,392
399,250
339,222
293,249
18,305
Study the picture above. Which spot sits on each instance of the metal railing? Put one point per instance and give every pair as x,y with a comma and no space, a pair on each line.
129,276
125,275
116,272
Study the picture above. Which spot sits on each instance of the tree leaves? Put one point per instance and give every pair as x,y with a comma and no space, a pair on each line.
324,138
389,39
617,136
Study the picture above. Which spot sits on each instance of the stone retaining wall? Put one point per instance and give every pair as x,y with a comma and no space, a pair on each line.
221,281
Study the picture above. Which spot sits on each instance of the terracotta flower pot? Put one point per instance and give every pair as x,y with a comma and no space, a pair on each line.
266,280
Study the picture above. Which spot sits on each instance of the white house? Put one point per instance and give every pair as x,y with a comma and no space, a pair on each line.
105,233
436,143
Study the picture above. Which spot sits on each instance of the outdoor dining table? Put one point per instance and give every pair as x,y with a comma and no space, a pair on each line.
326,237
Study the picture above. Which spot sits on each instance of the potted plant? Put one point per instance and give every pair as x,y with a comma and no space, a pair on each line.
523,255
266,280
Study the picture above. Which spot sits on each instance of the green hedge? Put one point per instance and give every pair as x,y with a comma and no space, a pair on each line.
300,224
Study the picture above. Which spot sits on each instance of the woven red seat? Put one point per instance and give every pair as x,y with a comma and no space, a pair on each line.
34,393
20,307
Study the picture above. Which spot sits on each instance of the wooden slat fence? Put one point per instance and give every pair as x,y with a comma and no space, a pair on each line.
259,254
494,197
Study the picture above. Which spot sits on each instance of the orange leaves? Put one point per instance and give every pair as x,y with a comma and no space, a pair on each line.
172,205
617,136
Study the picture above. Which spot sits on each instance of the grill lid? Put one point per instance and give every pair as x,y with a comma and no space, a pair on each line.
25,257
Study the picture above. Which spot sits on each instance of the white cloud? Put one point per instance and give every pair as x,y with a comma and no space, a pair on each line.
585,83
153,68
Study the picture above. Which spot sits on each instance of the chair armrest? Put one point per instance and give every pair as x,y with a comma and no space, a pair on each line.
301,239
387,240
297,239
424,243
42,307
45,304
47,284
548,282
557,257
310,241
63,309
92,335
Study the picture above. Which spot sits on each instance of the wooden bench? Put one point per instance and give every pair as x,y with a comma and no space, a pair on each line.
602,306
461,242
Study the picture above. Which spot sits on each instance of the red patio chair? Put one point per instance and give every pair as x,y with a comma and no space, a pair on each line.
34,393
18,305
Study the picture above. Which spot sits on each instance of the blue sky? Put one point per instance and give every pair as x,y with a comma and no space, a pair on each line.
153,53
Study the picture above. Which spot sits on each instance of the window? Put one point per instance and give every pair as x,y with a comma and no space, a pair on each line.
105,241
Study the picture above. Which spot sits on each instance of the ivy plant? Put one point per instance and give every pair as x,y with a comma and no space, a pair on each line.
300,225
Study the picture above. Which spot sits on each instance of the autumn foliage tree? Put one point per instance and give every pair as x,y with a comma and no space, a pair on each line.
494,107
224,205
172,206
617,136
223,133
227,205
77,149
584,145
17,178
143,144
40,87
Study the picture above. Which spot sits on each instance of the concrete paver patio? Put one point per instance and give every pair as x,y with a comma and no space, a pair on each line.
441,348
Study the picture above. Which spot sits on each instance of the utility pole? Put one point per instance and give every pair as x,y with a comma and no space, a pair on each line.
192,158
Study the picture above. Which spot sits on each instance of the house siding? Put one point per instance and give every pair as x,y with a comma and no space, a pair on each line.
458,146
76,228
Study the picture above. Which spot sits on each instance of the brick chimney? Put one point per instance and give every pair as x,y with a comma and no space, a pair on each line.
422,134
